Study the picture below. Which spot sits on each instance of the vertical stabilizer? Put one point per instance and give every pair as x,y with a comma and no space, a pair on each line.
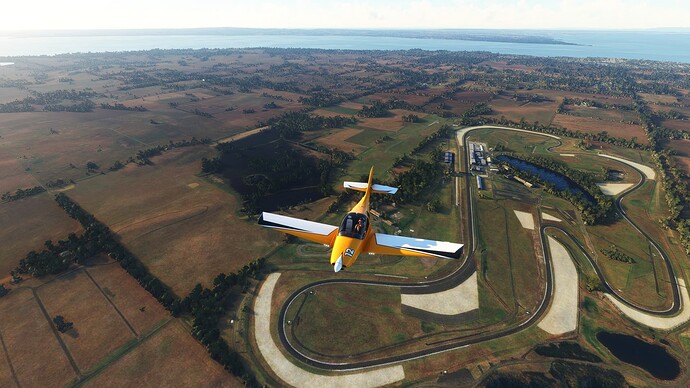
367,194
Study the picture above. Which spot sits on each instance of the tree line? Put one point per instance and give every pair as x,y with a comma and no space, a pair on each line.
289,125
22,193
118,106
143,156
209,306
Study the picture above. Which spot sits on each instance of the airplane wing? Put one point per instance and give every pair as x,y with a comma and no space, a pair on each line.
376,188
308,230
386,244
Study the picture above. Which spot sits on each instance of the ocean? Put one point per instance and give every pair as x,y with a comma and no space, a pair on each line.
653,44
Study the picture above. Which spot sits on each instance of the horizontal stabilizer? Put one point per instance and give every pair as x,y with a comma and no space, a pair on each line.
387,244
375,188
308,230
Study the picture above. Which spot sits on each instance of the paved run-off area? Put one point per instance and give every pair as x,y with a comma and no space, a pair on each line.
526,219
460,299
657,322
293,374
562,315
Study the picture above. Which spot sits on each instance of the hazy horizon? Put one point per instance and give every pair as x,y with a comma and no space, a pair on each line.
44,15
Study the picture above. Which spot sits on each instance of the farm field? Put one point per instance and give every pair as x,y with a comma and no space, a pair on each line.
13,175
592,125
682,148
681,125
184,228
171,357
20,234
30,342
98,329
516,110
614,115
141,310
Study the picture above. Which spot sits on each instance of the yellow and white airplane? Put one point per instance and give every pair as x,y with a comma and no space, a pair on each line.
354,237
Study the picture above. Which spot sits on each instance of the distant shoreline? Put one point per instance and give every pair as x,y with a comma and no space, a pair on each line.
500,36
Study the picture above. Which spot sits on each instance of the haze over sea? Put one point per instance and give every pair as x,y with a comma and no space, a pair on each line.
659,45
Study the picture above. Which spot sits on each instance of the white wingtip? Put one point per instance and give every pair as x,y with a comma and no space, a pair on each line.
338,264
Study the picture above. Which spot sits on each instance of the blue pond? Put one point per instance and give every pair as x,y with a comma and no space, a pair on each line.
557,180
652,358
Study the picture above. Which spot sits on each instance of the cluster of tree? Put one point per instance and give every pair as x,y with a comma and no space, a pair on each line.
417,181
210,165
201,113
118,106
321,98
671,115
92,166
381,109
143,156
57,183
382,139
16,106
594,210
22,193
208,306
83,106
613,253
377,109
290,124
479,109
411,118
589,103
53,102
571,350
117,165
3,291
271,105
61,325
56,258
276,97
98,238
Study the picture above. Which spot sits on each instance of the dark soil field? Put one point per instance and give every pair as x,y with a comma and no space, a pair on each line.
267,163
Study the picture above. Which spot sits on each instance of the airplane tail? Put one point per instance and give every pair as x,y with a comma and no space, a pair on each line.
369,188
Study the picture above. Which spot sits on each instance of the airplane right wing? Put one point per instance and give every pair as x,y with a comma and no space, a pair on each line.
386,244
308,230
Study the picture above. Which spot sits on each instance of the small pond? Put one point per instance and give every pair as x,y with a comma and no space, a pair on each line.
652,358
557,180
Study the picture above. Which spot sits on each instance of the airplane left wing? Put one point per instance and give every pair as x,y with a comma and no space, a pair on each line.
386,244
308,230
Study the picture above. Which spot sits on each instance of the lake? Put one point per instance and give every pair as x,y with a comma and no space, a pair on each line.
652,358
653,45
557,180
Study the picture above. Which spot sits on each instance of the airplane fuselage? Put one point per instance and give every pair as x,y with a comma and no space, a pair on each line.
354,234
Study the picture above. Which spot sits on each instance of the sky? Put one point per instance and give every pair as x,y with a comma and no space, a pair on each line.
399,14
